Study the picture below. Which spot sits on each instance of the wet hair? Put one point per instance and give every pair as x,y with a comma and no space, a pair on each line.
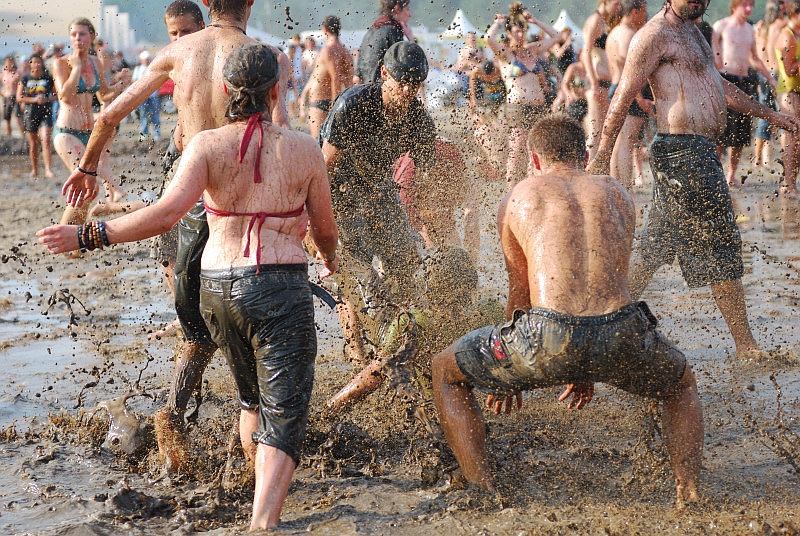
629,5
83,21
250,73
332,24
558,138
516,17
387,6
232,8
792,7
36,56
10,59
488,67
185,7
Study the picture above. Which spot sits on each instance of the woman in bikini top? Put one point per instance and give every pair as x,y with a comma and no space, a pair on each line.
78,79
517,57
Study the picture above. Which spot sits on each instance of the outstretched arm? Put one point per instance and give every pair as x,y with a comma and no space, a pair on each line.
79,185
742,102
181,194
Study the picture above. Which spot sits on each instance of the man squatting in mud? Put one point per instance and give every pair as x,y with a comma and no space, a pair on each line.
367,129
255,295
692,213
567,237
194,64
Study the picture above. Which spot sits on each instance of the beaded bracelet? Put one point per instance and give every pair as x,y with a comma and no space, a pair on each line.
81,243
102,226
92,173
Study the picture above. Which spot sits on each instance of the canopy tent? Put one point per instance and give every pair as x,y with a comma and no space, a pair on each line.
266,38
564,21
459,27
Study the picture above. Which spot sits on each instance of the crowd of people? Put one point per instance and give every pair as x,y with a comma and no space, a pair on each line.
373,193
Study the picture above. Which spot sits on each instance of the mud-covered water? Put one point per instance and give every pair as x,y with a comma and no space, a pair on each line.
375,469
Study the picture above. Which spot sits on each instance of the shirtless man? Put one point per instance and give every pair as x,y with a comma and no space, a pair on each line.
634,15
255,292
594,59
8,90
332,74
692,214
182,17
734,47
194,63
567,238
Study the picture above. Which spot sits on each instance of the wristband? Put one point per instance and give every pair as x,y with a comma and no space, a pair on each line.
102,226
92,173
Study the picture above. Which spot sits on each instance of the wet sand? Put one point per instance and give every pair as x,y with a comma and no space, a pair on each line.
375,469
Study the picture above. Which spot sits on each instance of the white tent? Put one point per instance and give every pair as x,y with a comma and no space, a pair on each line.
459,27
564,21
267,38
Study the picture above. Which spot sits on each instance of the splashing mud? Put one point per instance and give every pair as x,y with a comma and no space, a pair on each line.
379,466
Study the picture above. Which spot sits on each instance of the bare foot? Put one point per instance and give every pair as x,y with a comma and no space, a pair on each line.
752,354
686,495
49,174
33,173
170,330
173,443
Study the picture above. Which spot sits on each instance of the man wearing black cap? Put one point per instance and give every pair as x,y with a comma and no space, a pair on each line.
368,128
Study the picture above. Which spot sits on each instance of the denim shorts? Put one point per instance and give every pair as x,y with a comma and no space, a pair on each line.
691,217
264,324
542,348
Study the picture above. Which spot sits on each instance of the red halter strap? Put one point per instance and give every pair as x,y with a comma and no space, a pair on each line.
252,123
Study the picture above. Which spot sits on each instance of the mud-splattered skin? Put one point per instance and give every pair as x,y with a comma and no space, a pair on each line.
127,433
670,54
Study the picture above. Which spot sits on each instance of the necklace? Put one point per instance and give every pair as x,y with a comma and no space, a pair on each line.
231,26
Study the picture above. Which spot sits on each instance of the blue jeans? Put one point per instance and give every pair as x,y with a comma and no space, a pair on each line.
149,112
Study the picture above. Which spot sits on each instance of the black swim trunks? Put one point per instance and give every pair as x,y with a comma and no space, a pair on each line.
324,105
192,238
542,348
692,213
264,324
635,110
738,129
11,107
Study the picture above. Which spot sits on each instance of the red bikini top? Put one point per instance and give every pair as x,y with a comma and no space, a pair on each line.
252,123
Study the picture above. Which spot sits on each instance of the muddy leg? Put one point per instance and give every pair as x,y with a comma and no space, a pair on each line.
461,418
191,361
729,296
683,435
274,470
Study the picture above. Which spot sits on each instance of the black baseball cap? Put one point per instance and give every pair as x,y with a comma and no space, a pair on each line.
406,62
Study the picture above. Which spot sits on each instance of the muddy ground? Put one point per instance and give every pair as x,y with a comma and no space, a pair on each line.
375,469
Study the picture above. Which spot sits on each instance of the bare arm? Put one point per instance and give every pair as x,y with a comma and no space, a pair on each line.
590,34
473,93
519,295
66,73
333,156
716,45
742,102
322,225
758,64
181,194
496,46
642,61
785,51
80,186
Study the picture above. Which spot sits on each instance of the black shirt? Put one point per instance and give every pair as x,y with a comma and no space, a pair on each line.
370,143
33,87
376,42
